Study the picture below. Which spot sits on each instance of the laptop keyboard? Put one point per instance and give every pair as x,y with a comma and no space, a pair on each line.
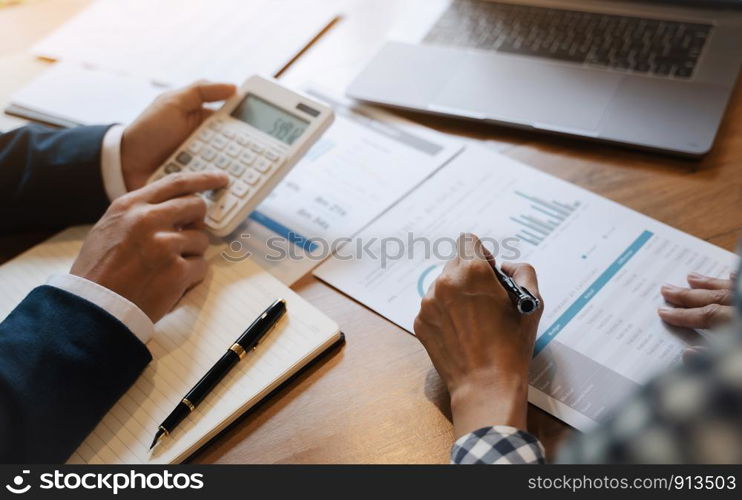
632,44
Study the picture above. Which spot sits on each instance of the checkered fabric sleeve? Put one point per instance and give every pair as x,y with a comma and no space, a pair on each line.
500,444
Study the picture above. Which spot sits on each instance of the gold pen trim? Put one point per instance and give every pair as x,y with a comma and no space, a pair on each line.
238,350
188,404
164,431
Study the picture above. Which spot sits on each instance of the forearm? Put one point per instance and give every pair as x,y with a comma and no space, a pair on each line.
494,400
63,363
51,178
489,418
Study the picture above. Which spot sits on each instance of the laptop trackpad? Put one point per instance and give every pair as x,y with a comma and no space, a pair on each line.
527,92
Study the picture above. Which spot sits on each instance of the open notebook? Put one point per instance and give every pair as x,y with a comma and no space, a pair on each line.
188,341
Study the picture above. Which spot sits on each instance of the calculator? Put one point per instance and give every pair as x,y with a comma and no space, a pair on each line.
256,137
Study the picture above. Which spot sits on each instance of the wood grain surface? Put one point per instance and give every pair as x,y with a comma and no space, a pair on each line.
378,399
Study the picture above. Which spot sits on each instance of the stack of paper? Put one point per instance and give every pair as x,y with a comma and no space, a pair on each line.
121,53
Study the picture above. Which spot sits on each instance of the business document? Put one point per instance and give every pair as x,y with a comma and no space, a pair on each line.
116,56
175,42
365,162
600,267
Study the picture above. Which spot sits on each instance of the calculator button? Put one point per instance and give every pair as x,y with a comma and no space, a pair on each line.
240,189
262,165
183,158
208,154
251,176
216,125
198,164
218,142
222,162
272,155
233,149
257,147
172,168
229,133
222,208
242,140
194,147
237,169
247,157
205,135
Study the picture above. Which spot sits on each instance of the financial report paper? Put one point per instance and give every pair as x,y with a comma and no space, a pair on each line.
600,267
364,163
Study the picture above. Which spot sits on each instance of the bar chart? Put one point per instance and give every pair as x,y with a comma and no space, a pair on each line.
544,218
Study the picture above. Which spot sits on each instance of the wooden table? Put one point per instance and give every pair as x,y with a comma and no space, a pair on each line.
378,399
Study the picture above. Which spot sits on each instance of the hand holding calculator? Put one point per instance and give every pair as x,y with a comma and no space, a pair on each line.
256,137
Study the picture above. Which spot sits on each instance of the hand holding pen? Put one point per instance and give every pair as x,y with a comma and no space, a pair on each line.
479,342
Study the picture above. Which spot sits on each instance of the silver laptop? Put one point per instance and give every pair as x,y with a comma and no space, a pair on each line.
654,75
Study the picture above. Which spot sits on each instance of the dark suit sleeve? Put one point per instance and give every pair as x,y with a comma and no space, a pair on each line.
63,363
50,178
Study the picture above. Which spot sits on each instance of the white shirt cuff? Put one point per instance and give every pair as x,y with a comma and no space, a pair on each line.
110,163
114,304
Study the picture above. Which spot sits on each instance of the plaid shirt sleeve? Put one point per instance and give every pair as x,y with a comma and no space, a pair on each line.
500,444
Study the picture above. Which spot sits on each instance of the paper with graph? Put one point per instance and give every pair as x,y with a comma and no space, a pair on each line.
186,344
600,268
367,161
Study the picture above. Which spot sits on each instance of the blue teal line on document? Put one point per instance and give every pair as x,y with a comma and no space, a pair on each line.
590,292
281,230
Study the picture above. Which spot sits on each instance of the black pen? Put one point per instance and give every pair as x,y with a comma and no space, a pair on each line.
525,302
247,341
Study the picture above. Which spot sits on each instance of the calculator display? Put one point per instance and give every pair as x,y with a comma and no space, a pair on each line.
270,119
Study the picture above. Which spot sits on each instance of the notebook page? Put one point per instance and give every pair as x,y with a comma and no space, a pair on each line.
188,341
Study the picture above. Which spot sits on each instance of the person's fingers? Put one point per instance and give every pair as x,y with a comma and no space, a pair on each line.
524,275
175,185
488,256
193,243
696,280
470,248
696,297
693,353
466,246
191,98
205,113
182,211
195,271
698,317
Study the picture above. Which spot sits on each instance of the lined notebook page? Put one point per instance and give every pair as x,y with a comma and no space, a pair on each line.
187,342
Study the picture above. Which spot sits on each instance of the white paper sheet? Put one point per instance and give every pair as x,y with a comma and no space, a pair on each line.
177,41
86,96
117,55
364,163
600,268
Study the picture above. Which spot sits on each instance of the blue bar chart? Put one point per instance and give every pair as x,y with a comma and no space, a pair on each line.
544,218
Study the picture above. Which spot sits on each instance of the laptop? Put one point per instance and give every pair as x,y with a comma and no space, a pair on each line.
655,75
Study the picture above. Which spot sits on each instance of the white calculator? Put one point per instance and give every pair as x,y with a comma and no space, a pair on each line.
256,137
